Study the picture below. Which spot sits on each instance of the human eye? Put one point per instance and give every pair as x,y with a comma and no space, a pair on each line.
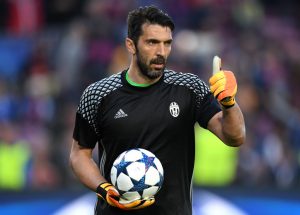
168,43
152,42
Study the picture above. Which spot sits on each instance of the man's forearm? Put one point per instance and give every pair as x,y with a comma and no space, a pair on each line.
85,168
233,126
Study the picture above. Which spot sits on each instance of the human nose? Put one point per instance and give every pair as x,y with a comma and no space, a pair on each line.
161,49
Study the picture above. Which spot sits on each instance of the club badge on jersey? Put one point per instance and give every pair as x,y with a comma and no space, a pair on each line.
174,109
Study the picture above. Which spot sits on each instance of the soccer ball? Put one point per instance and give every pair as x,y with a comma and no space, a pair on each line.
137,174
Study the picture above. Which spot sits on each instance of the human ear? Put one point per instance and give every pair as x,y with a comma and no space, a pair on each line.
130,45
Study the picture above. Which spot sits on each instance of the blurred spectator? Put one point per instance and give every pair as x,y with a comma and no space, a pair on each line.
43,174
14,54
61,13
71,55
3,14
8,103
15,157
24,16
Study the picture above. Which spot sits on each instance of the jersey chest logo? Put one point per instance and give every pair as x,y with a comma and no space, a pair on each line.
174,109
120,114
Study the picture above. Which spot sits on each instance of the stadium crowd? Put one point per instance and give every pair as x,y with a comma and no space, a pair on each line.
50,50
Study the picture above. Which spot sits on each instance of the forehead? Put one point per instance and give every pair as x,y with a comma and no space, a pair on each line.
155,31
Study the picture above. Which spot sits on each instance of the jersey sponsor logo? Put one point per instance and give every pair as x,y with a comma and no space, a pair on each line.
120,114
174,109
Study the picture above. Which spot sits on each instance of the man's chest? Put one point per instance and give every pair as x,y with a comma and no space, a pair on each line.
126,113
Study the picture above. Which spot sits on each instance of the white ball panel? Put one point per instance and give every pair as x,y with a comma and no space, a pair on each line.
133,155
124,183
148,153
152,176
158,166
149,192
130,196
113,175
136,170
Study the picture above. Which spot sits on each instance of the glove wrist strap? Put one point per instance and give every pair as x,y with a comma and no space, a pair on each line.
227,106
228,102
102,189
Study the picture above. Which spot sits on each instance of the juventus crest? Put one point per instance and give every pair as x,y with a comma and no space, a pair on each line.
174,109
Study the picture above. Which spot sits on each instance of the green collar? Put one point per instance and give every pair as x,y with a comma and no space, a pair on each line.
131,82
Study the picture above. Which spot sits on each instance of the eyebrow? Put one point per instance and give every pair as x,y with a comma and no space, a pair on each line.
158,41
169,41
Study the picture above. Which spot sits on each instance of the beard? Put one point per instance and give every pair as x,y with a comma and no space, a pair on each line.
146,69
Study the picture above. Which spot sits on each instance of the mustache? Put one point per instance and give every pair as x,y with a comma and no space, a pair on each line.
158,60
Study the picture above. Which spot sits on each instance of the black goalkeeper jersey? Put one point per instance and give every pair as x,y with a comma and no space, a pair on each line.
159,118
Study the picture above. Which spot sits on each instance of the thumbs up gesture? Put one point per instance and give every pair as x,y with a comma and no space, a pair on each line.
223,84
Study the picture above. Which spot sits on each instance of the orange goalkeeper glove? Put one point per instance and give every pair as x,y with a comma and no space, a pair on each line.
224,87
108,193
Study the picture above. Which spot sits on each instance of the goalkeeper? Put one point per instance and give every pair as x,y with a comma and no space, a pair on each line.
149,106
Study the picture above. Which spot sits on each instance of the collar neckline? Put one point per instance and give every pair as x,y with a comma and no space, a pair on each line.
132,83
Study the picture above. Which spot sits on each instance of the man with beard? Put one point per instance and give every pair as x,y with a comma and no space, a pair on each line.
148,106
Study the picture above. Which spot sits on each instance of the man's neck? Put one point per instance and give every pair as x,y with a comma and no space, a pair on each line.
133,83
135,76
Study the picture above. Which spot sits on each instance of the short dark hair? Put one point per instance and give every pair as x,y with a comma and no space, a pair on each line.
147,14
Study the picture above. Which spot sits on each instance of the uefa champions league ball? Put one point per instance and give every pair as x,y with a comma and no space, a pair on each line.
137,174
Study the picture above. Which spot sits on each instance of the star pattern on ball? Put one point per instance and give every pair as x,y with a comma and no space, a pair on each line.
139,186
147,160
121,167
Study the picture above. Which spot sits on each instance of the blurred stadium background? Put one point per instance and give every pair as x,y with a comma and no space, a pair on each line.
50,50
